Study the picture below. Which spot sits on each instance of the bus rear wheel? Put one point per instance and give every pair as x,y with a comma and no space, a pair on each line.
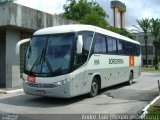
94,87
130,82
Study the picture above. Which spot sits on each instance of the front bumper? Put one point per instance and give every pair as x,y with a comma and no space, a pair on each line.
62,91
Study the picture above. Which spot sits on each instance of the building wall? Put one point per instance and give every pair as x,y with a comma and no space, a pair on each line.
150,49
2,58
12,60
28,18
19,22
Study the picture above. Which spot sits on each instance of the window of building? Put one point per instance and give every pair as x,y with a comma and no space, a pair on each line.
149,50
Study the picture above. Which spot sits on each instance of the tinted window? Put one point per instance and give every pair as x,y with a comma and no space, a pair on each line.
130,49
100,44
79,59
121,47
127,51
134,49
111,45
138,50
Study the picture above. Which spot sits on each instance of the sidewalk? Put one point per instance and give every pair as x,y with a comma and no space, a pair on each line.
11,90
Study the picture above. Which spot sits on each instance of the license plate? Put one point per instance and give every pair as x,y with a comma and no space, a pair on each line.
40,92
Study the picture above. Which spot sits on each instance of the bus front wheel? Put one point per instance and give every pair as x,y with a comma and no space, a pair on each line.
94,87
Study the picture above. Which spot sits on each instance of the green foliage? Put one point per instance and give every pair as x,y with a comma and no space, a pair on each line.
6,1
90,13
149,69
85,12
155,28
153,113
120,31
144,25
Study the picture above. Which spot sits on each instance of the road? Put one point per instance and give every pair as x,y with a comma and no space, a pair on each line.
119,99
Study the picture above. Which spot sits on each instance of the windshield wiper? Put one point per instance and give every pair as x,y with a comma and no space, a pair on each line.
48,64
37,60
40,60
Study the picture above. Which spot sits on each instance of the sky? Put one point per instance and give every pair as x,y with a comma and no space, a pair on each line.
136,9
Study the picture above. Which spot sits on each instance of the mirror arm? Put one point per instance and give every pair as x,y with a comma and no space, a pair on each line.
19,44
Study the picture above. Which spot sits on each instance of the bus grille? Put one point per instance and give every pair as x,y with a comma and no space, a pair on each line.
40,85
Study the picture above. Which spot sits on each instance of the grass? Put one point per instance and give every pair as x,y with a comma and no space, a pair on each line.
153,113
149,69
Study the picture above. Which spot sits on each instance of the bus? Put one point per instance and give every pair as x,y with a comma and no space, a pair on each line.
70,60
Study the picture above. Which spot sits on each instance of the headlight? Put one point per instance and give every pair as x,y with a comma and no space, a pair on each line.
59,83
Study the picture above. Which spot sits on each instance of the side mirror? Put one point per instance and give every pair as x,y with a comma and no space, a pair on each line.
79,44
19,44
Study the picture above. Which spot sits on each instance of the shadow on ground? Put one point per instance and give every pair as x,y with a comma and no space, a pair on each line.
46,102
36,101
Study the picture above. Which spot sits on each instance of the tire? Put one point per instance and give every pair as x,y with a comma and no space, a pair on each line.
130,81
94,87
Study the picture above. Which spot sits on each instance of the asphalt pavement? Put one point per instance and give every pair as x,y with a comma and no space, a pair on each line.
119,99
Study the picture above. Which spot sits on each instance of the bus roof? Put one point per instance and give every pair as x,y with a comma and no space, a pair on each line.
81,27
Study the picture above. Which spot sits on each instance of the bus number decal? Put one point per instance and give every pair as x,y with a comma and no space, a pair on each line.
96,62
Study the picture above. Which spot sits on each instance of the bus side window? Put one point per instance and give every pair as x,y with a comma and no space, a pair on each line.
134,50
127,48
121,47
87,39
99,44
131,49
111,45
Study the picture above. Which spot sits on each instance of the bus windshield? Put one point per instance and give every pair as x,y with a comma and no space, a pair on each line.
49,54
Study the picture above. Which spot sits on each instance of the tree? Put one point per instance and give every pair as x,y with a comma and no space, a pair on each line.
155,30
121,31
145,26
85,12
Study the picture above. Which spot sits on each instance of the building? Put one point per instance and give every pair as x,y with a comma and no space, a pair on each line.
18,22
118,7
150,48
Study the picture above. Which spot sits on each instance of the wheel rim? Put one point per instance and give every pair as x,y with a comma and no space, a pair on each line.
94,88
130,81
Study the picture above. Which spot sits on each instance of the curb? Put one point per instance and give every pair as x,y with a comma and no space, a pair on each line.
144,111
3,92
11,91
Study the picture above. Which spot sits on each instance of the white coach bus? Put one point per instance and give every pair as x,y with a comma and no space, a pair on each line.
71,60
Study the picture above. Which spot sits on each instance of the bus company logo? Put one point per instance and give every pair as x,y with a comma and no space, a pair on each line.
131,61
40,85
116,61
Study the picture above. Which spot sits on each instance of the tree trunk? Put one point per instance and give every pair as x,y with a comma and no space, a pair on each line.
155,43
145,38
156,59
